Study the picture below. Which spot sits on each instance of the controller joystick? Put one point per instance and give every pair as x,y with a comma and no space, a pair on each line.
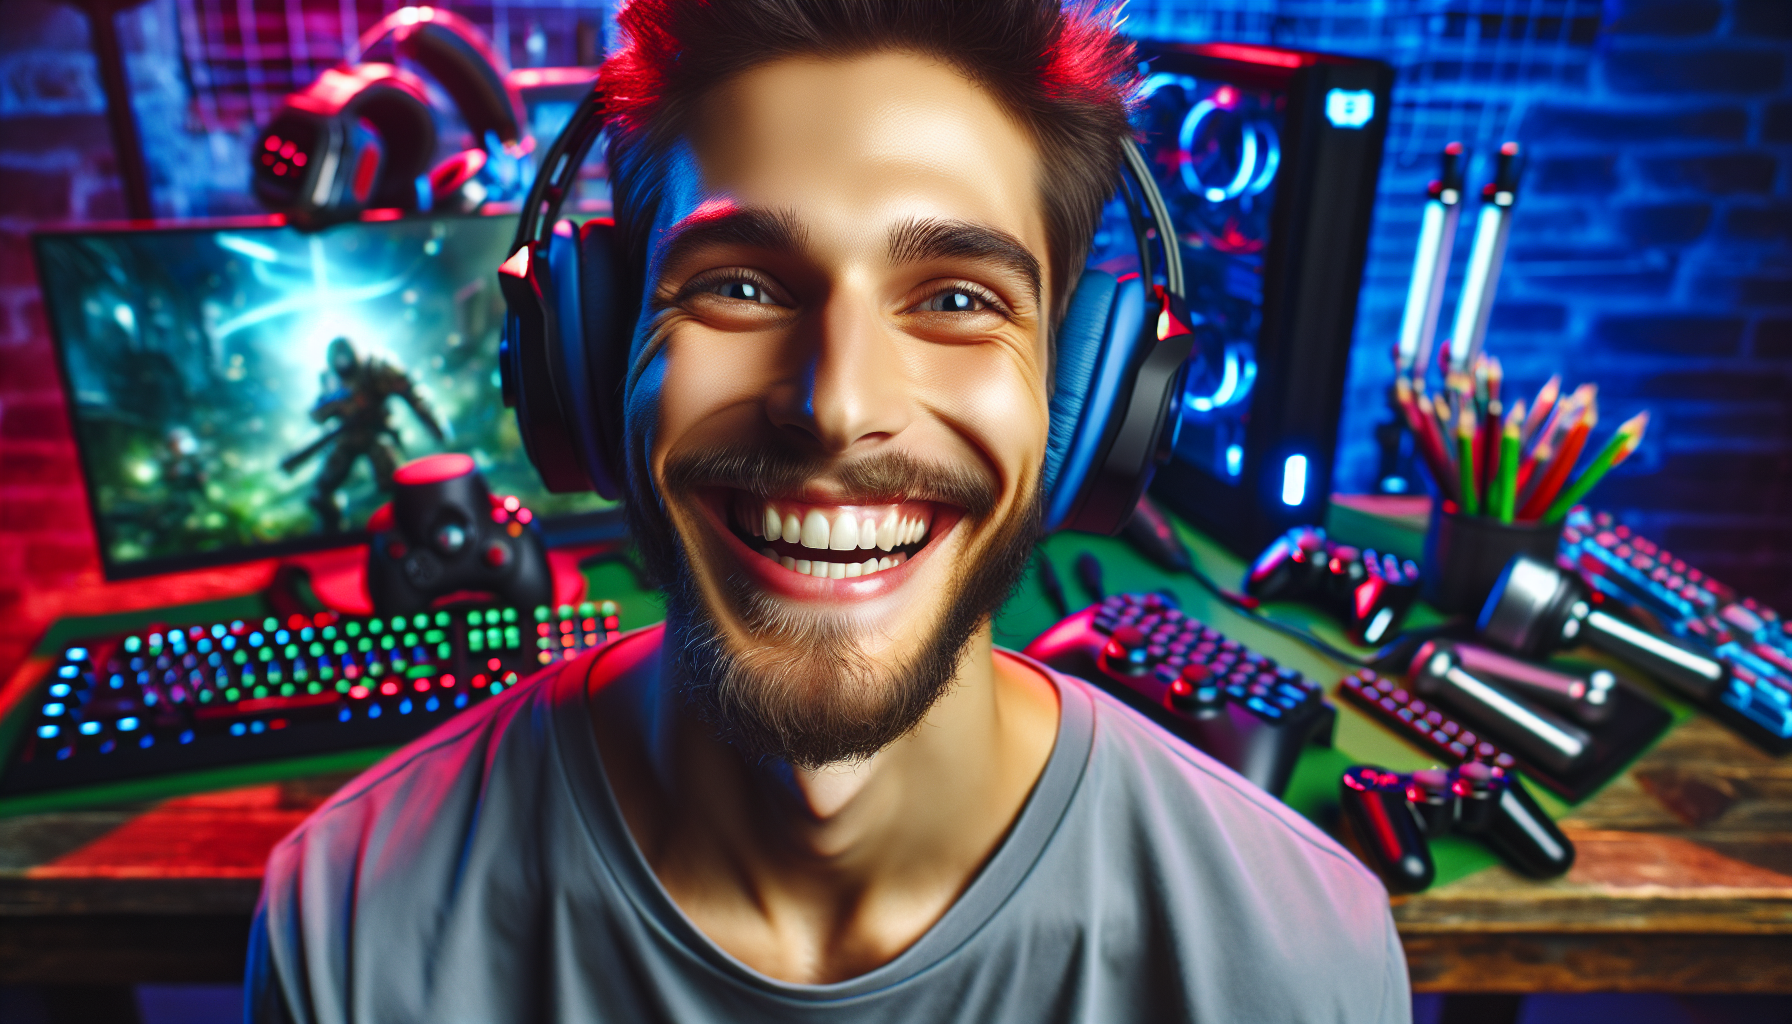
444,533
1394,816
1369,593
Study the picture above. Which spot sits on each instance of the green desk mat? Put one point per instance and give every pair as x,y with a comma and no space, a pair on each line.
1312,792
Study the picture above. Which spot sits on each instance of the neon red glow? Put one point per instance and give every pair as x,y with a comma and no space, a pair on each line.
1225,97
1256,55
432,469
517,265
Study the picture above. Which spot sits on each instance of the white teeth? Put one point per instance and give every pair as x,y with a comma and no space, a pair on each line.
788,563
819,570
836,570
815,530
868,533
791,529
773,526
769,553
803,565
886,531
854,570
868,567
845,534
886,563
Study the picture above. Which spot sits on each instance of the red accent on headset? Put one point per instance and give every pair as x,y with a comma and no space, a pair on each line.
517,265
367,167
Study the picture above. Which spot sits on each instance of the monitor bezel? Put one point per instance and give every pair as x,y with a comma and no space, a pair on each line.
558,530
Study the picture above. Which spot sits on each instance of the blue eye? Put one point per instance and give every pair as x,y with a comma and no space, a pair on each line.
953,300
743,291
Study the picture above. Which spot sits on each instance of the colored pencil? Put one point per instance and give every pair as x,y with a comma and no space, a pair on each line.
1559,467
1465,446
1622,443
1424,431
1549,436
1506,477
1446,477
1546,400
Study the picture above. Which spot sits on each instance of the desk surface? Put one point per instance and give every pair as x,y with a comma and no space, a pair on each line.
1683,880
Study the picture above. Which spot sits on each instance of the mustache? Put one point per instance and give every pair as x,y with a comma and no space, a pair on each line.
881,478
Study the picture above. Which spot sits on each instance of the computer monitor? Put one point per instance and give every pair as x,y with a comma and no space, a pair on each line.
244,390
1267,160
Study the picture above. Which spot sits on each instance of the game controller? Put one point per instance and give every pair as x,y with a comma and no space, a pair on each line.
1367,592
1212,692
1393,817
444,533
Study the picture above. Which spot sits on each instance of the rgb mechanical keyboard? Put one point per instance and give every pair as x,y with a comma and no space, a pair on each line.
1210,690
1752,640
176,699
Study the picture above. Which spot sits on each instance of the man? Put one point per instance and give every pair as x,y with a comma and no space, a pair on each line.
818,791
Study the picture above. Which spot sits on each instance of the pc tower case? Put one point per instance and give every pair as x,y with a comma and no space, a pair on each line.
1267,159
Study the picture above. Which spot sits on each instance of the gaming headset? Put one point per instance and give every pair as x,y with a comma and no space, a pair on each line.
1121,352
362,135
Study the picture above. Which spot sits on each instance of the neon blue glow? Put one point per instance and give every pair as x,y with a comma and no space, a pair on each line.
1234,459
52,710
68,671
127,725
47,732
90,728
236,729
1349,108
75,654
59,689
1294,480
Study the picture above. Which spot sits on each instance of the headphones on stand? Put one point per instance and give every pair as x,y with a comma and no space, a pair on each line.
1121,359
361,136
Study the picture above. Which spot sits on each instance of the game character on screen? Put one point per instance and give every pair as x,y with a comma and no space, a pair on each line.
356,390
819,791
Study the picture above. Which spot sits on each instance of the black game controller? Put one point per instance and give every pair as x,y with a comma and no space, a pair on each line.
445,533
1233,703
1393,817
1367,592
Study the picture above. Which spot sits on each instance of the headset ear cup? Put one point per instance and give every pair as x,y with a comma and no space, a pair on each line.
407,130
609,328
1096,346
525,362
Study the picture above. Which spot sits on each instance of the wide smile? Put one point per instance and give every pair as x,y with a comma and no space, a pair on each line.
813,549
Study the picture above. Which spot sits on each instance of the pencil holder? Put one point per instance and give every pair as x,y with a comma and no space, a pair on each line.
1464,556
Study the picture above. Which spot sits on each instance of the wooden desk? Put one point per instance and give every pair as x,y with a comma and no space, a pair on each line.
1683,881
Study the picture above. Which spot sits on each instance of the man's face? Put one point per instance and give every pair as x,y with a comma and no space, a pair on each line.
846,416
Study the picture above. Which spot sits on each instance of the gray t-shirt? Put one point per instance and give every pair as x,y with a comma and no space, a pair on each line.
485,874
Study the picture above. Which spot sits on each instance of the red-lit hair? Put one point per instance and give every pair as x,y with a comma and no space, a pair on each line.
1059,68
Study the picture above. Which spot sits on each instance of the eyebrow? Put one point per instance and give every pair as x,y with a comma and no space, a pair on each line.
749,227
917,241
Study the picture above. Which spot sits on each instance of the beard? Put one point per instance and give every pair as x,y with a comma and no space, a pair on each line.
801,688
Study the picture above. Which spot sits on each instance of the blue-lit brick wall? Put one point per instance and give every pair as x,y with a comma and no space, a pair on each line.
1651,251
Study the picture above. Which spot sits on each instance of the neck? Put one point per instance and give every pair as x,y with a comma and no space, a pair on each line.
821,874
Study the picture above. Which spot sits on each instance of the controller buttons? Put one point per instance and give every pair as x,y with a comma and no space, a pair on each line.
450,538
497,554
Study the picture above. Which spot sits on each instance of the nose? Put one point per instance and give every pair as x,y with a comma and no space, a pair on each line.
853,389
